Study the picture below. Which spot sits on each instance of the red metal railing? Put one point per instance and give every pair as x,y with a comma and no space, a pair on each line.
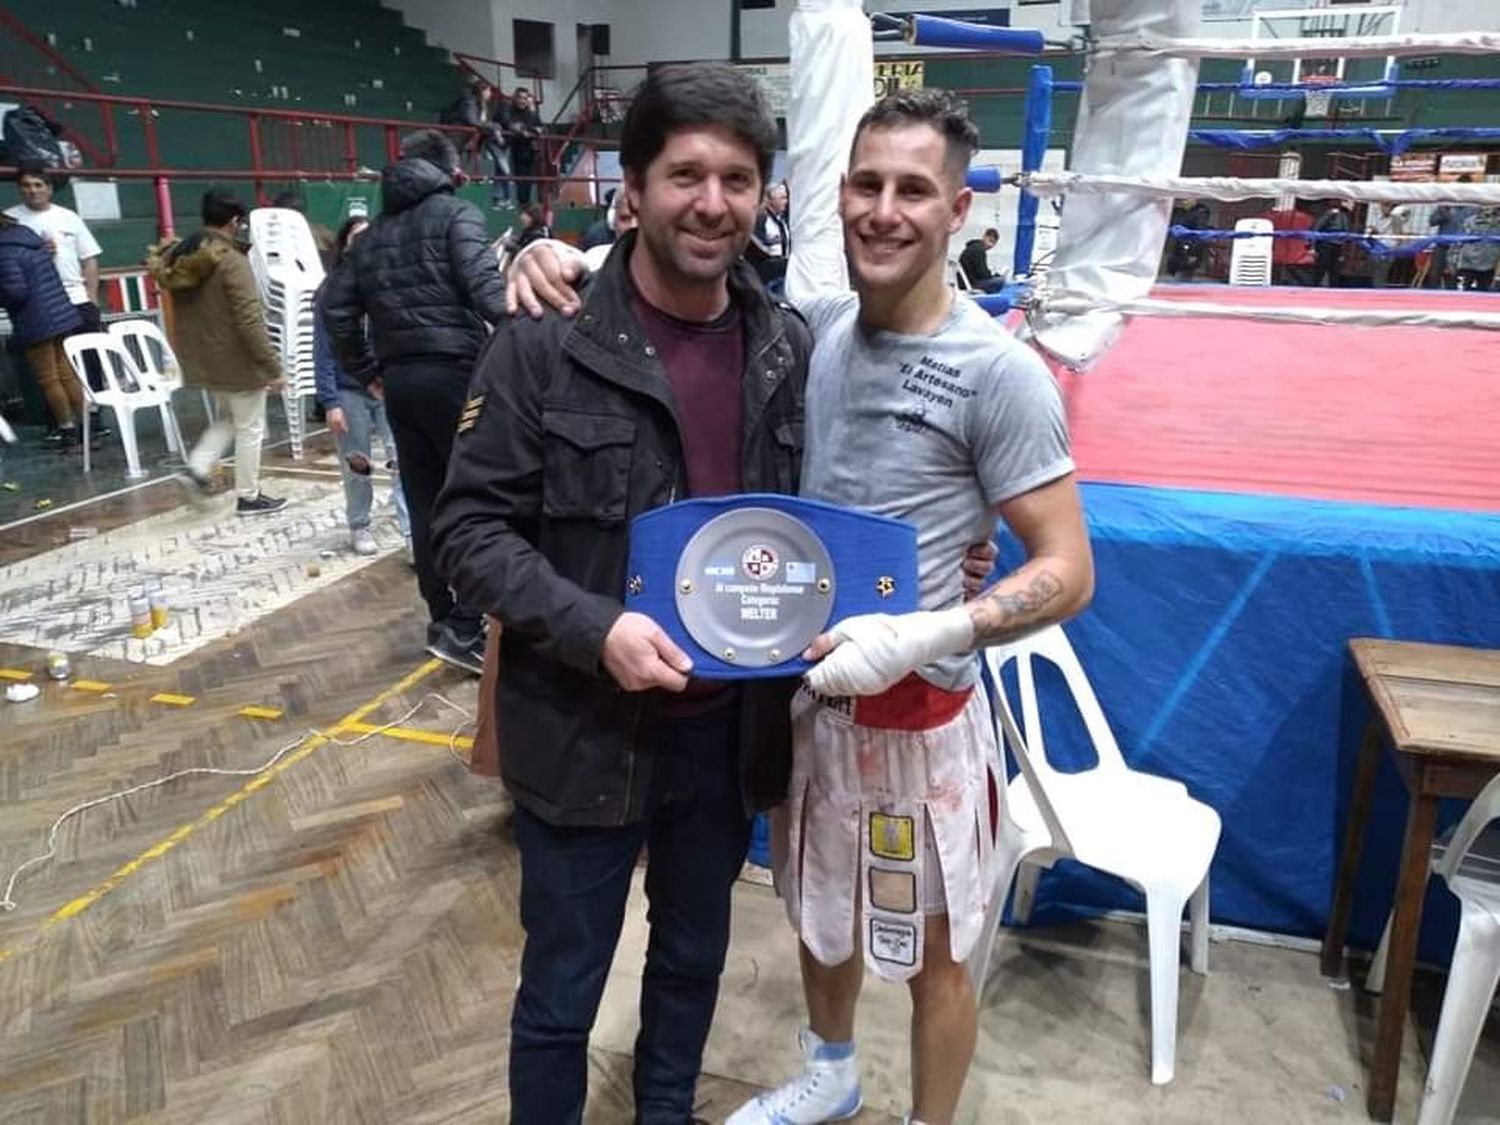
279,145
29,60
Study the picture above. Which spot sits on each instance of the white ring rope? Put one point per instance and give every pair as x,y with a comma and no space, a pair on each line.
1356,46
1078,304
1229,188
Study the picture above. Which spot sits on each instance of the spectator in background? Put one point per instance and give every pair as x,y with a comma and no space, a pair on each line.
1448,218
219,334
426,277
474,109
601,231
772,237
1292,259
975,262
522,128
1328,256
354,415
1387,224
1475,261
534,227
322,236
41,316
620,219
75,252
1186,257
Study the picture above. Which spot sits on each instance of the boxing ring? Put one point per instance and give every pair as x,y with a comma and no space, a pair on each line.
1266,472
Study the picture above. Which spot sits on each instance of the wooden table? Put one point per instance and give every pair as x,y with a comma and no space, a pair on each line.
1439,708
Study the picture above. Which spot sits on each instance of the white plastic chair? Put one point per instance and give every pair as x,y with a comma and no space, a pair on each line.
1468,859
153,356
1250,258
1145,829
126,390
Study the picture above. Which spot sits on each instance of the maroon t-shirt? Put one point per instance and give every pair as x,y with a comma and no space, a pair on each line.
705,363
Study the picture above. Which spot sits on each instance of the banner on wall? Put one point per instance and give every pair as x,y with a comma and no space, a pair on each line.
776,80
1452,165
1413,167
898,75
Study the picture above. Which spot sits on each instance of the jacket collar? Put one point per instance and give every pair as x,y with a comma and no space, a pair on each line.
607,338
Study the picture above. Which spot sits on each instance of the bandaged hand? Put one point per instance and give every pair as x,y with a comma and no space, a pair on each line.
869,653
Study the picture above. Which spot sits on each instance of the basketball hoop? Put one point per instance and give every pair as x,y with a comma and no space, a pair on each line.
1317,99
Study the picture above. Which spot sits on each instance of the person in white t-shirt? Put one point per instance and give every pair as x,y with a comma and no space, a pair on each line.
75,251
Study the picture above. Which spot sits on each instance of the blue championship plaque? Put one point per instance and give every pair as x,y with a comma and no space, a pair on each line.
744,583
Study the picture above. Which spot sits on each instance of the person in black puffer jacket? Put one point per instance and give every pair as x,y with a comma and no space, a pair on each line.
427,278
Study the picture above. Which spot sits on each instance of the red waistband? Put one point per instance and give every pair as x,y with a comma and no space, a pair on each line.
910,704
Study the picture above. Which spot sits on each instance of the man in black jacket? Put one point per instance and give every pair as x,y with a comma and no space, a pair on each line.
975,262
678,377
523,130
425,276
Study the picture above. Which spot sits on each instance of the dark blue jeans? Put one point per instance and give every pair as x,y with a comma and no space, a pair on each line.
574,883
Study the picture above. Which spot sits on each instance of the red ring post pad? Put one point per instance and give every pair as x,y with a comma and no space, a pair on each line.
935,31
759,586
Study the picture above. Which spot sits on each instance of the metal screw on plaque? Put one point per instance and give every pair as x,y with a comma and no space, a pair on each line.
774,655
686,585
729,654
824,585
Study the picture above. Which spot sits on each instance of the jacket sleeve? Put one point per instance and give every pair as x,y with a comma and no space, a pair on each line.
13,288
249,317
474,264
325,365
487,515
344,319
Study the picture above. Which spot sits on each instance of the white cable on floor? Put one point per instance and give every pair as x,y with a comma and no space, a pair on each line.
1077,304
1355,46
1231,188
8,903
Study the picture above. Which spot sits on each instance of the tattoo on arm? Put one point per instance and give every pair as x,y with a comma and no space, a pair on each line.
1003,617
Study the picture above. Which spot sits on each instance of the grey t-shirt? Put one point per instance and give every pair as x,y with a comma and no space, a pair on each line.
935,430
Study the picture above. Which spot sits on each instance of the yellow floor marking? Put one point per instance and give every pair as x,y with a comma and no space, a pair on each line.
261,712
309,745
91,685
15,674
173,700
410,734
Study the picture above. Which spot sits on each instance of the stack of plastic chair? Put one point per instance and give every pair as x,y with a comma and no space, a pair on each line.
126,390
288,271
156,361
1250,258
1144,829
1468,860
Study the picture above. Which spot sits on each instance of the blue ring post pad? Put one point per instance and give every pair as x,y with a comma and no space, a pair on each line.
874,560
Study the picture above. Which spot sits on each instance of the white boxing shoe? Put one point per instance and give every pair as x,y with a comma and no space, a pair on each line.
826,1090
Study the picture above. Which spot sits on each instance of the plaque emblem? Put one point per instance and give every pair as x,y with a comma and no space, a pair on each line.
760,562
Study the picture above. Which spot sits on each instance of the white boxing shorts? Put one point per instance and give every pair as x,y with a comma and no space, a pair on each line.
892,812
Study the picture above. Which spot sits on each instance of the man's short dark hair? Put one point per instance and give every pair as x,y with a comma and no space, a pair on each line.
290,200
927,106
683,95
432,146
33,168
221,207
991,232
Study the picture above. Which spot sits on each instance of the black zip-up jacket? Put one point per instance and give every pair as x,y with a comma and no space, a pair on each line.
424,274
569,433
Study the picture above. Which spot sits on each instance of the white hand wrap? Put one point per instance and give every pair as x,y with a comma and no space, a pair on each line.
878,649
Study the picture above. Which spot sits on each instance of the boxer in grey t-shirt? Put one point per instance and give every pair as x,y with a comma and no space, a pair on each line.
936,429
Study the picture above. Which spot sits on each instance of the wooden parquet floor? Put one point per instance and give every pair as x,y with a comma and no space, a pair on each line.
334,942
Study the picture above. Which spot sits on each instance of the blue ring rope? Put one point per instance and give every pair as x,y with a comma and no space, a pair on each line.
1394,142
